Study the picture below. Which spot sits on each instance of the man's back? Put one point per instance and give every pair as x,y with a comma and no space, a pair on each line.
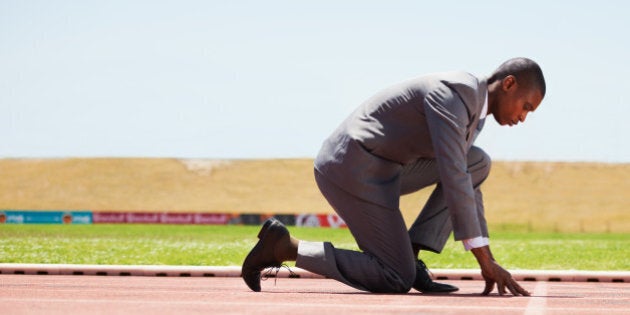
367,151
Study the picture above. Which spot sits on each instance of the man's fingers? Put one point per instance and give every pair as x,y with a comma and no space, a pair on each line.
489,287
501,287
504,281
516,289
520,290
511,285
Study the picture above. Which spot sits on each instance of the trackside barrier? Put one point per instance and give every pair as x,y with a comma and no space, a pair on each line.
234,271
538,275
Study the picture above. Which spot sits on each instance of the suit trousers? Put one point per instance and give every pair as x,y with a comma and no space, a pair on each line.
432,227
386,262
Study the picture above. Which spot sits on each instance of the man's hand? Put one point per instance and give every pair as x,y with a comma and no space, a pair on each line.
493,273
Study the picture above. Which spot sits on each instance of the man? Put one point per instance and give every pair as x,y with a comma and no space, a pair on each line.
414,134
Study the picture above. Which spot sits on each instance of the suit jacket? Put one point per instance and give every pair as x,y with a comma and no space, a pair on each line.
429,117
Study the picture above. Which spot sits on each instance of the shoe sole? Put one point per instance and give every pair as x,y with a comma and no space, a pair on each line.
439,292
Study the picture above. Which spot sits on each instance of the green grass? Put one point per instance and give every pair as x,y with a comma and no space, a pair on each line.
228,245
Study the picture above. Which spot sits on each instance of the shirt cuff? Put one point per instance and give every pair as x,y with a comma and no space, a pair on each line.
476,242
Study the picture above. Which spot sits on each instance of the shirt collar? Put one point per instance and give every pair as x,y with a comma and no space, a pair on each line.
484,108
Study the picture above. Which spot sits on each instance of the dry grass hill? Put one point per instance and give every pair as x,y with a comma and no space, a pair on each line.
587,197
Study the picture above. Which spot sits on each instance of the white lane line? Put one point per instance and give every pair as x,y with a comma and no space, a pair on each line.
538,301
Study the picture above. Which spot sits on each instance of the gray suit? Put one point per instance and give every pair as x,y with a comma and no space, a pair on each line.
409,136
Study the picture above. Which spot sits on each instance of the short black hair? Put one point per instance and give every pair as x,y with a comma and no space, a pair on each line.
523,69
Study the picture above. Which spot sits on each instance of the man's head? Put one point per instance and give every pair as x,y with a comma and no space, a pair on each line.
515,89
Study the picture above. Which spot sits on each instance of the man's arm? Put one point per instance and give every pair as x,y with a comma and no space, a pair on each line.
493,273
447,118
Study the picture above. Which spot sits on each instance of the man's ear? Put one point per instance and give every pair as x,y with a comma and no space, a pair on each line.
508,82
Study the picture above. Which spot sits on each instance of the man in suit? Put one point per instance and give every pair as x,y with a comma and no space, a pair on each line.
409,136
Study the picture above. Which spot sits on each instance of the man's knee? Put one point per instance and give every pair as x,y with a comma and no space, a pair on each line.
397,281
479,163
408,277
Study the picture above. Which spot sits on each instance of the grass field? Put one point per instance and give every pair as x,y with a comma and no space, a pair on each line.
528,196
228,245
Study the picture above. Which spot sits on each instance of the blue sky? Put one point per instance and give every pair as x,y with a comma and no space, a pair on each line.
272,79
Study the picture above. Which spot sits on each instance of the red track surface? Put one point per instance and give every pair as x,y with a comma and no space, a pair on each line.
45,294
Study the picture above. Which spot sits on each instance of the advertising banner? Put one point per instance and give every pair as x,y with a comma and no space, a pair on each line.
45,217
115,217
320,220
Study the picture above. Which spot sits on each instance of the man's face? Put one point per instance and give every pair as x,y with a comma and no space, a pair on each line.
515,102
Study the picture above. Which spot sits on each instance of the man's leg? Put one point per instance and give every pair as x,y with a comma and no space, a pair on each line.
414,177
386,263
433,226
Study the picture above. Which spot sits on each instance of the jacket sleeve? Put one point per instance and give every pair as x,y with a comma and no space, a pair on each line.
447,118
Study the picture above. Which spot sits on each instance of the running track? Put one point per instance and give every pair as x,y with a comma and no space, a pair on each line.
91,294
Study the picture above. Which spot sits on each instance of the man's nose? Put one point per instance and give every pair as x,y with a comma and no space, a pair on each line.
523,116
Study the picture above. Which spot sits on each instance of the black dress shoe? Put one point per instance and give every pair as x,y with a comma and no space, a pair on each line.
266,225
424,283
262,255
